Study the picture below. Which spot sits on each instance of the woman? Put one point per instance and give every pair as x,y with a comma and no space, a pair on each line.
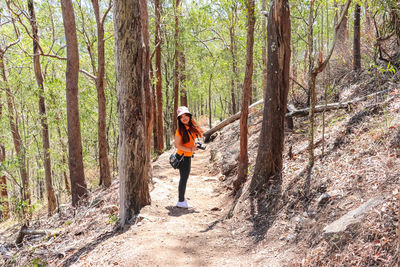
185,137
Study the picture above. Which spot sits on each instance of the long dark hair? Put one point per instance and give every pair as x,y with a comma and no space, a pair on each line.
194,129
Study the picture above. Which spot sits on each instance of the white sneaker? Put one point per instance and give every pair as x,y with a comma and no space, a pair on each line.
183,204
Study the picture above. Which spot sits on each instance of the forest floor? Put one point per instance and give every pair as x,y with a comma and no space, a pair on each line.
357,163
171,236
164,235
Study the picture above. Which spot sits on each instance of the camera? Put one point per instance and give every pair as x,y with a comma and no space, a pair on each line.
200,146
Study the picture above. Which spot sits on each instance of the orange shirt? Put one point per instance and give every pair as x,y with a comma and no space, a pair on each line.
189,144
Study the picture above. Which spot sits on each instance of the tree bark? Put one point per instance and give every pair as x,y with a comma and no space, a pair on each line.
63,158
264,46
5,211
130,71
243,157
356,41
311,83
176,69
343,33
147,86
234,60
75,161
182,78
51,198
158,41
269,161
105,175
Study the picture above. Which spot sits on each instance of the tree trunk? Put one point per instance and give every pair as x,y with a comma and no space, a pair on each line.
12,117
77,176
5,210
158,41
209,96
176,69
64,153
343,34
105,175
51,198
130,71
147,86
269,161
243,157
311,83
356,42
264,46
234,60
182,78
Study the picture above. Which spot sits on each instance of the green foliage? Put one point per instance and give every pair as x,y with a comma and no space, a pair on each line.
113,219
389,69
37,262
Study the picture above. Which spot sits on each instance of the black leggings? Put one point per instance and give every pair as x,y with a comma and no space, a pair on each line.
184,171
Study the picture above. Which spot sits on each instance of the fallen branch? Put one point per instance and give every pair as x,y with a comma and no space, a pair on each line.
333,106
25,231
227,121
292,112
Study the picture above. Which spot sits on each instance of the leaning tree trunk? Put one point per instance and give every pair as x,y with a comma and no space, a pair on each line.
51,198
78,185
243,157
130,68
158,40
269,162
105,175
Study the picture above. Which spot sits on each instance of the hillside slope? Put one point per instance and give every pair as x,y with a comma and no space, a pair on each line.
345,212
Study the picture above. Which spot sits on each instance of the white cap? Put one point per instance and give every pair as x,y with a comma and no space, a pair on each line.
183,110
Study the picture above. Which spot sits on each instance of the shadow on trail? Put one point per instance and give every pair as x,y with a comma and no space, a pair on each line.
264,207
176,212
89,247
211,226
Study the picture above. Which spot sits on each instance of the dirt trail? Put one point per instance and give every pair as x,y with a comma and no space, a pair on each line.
170,236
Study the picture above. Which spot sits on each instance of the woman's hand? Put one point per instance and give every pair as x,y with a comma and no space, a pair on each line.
194,148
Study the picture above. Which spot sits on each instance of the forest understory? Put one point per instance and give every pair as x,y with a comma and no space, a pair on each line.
356,173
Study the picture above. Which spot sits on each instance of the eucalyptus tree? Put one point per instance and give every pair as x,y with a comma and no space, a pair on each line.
243,156
75,161
159,144
4,203
105,176
177,64
147,88
356,39
130,70
268,168
51,199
